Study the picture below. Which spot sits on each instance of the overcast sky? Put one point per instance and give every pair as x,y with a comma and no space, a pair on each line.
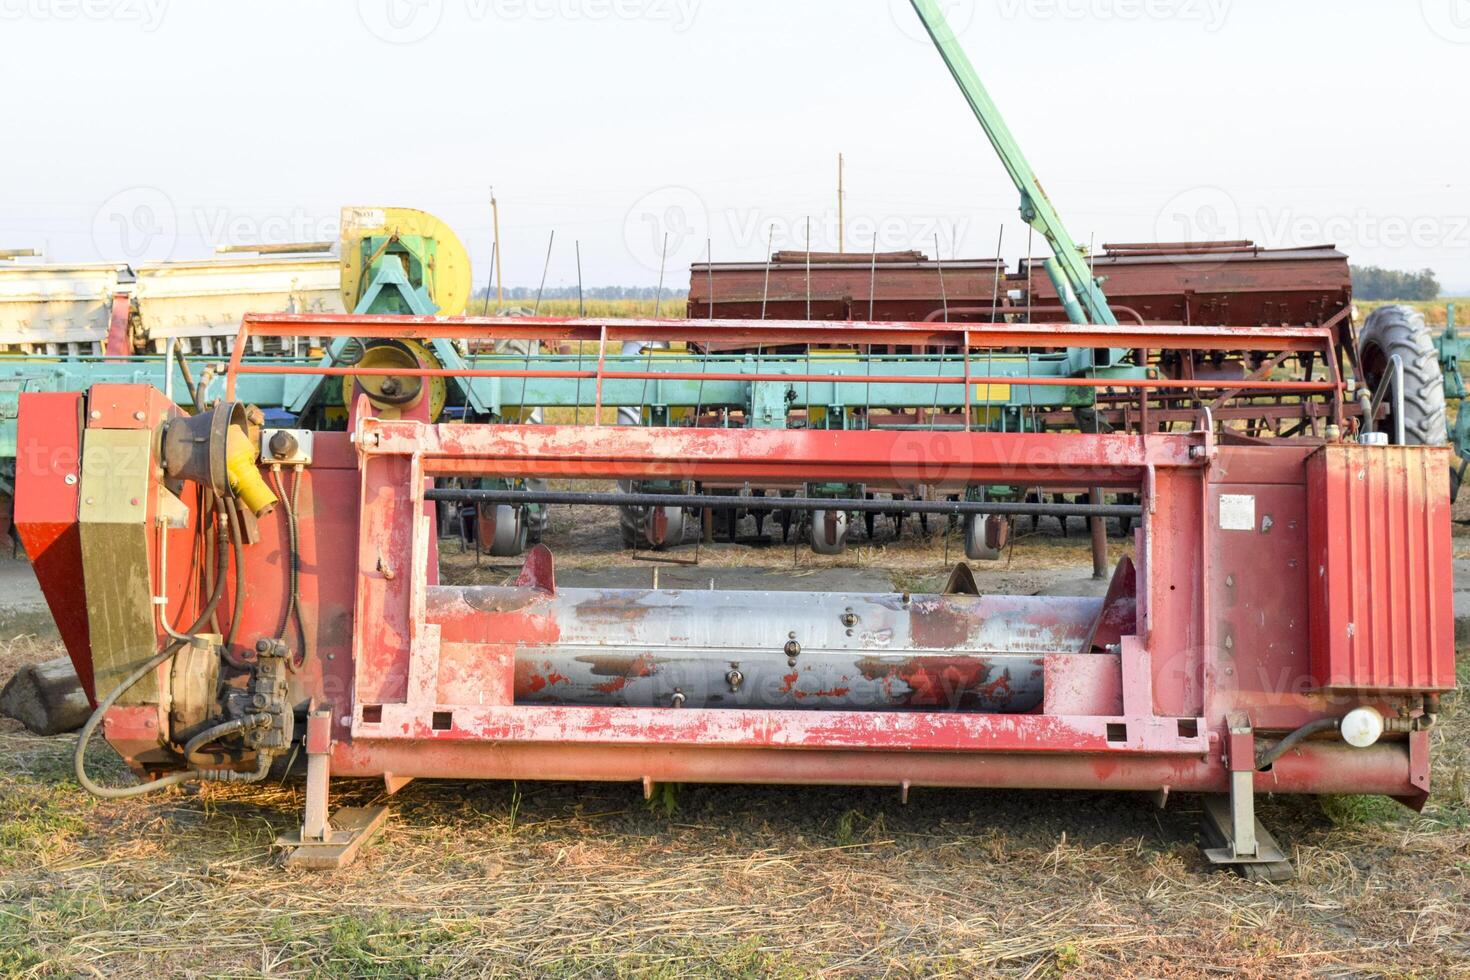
150,129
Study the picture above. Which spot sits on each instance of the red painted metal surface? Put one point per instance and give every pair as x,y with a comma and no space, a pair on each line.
1382,614
420,685
775,333
48,468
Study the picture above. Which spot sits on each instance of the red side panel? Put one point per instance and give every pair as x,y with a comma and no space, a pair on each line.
47,482
1380,569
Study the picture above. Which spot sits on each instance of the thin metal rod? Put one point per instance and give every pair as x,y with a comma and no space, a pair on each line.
766,287
700,501
581,302
544,270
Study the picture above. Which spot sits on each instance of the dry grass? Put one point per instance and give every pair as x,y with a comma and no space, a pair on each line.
1435,311
590,881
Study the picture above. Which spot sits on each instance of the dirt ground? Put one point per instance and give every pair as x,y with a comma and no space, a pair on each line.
708,881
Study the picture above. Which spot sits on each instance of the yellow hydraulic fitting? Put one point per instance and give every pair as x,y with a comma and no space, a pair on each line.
244,477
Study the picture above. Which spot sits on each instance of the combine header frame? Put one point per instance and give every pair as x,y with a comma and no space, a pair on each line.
1207,668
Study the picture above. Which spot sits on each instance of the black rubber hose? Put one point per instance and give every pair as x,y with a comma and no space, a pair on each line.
1264,760
293,562
220,731
295,533
237,542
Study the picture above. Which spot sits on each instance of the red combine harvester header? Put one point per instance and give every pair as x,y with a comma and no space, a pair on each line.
1286,627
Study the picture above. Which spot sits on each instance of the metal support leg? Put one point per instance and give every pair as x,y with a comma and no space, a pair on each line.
1234,835
323,843
1100,570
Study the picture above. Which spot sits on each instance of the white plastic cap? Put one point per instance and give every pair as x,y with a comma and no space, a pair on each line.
1362,727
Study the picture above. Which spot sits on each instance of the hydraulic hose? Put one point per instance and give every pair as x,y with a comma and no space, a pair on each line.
245,724
238,610
79,757
293,600
1266,759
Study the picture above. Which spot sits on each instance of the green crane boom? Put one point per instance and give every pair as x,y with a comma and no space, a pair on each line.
1081,294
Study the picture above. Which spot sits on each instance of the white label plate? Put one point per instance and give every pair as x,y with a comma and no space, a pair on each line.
1237,512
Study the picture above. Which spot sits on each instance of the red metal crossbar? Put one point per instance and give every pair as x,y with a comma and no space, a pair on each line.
776,333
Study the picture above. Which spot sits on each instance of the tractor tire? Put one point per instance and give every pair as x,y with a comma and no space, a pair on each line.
1401,330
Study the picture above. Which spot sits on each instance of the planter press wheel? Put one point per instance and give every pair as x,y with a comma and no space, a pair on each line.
502,529
651,527
829,531
985,537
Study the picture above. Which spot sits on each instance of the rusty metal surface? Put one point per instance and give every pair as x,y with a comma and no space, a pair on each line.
1130,693
1217,284
852,652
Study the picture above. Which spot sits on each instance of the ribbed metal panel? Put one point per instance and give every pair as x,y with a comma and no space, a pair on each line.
1382,569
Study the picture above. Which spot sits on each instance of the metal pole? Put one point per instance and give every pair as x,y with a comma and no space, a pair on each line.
495,260
707,502
1099,537
841,208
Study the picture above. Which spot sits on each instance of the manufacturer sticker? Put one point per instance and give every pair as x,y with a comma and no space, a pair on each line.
1237,512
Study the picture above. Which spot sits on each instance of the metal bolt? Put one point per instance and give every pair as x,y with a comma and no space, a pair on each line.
679,699
96,413
71,479
734,678
139,416
793,649
849,618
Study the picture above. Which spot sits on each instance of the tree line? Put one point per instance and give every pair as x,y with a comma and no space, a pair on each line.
1370,282
591,292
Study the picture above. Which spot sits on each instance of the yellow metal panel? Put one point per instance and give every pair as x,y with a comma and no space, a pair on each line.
452,282
116,464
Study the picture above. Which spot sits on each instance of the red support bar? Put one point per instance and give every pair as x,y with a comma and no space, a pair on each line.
921,457
791,332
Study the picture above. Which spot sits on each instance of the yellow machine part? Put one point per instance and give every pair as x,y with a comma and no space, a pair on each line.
394,395
244,477
451,284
